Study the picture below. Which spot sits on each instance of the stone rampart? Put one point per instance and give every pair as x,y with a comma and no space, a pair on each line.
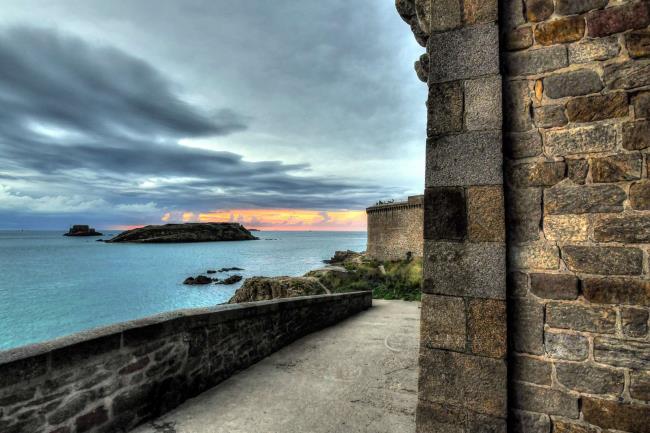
395,229
113,378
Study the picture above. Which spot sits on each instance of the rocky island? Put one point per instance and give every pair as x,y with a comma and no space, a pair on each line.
347,271
190,232
82,230
267,288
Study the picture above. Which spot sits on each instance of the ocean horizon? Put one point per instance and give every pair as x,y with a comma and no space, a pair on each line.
55,286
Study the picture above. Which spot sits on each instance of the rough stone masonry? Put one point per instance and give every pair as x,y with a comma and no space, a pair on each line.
111,379
568,82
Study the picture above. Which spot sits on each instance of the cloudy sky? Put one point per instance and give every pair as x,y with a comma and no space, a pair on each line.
281,114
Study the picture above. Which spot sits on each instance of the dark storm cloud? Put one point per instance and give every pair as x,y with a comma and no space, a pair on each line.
80,117
59,80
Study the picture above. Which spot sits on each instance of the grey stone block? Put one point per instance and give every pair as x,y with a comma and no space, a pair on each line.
517,285
529,422
554,286
525,369
616,290
628,75
533,62
472,382
596,138
524,213
527,331
603,260
445,213
568,199
543,400
628,228
446,418
588,318
446,15
640,385
574,83
523,144
591,50
516,106
634,322
443,322
445,108
590,378
550,116
512,13
464,53
616,168
469,159
483,105
465,269
571,347
616,415
537,174
622,353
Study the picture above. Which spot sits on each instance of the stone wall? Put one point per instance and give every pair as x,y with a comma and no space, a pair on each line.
575,100
111,379
578,221
395,229
463,374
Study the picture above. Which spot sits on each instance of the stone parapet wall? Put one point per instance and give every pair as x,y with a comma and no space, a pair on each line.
395,229
577,103
114,378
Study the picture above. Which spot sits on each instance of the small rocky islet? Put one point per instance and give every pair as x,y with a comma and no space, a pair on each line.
182,233
201,280
82,230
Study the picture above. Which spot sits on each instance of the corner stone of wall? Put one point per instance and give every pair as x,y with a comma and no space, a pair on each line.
463,371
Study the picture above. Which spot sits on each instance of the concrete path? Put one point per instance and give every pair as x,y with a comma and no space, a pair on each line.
357,376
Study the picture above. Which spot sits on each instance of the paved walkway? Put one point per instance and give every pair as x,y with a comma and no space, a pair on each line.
357,376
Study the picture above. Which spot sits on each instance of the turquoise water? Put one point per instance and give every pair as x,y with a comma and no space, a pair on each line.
51,285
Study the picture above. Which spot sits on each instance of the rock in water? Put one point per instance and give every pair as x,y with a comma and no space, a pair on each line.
190,232
345,256
82,230
231,279
230,269
200,280
266,288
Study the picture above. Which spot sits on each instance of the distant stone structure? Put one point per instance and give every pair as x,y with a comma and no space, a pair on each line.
395,229
537,203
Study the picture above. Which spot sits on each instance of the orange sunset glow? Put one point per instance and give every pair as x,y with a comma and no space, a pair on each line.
279,219
290,219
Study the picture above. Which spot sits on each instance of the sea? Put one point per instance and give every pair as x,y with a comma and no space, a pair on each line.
52,285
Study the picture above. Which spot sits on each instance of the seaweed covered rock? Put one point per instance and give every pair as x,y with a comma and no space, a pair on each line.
267,288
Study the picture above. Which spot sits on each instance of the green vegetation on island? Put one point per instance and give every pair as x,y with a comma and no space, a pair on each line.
350,271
